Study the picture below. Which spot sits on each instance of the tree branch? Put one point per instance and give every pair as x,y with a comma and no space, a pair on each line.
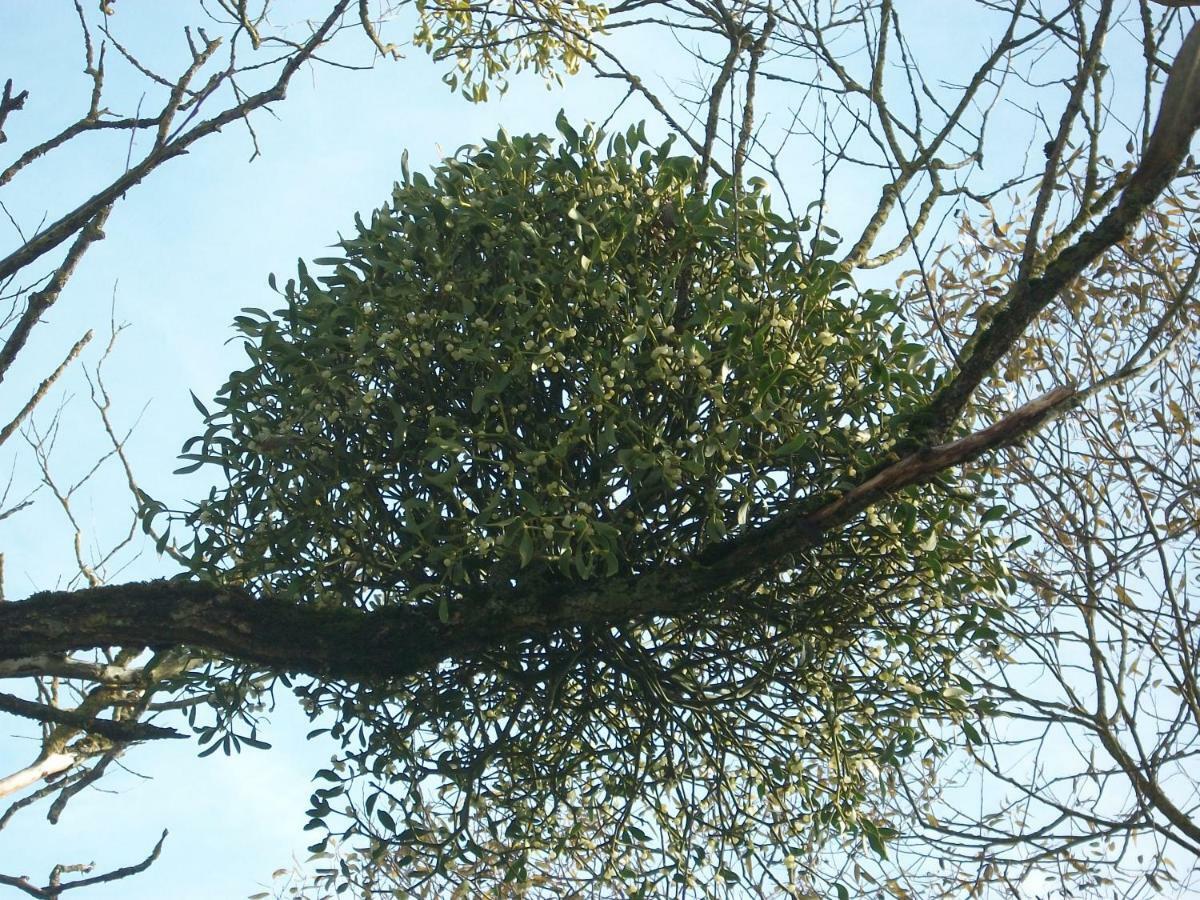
396,641
73,221
42,389
45,766
1178,119
114,730
55,888
10,102
55,666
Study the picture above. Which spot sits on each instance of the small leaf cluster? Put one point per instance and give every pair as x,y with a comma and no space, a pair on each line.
551,37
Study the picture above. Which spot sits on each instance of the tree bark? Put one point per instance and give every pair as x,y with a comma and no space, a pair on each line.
46,766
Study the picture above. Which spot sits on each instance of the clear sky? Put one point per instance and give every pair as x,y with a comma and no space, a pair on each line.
183,253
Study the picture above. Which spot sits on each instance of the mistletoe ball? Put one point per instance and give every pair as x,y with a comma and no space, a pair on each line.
563,356
561,360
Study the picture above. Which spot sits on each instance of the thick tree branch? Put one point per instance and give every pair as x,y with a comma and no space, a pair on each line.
395,641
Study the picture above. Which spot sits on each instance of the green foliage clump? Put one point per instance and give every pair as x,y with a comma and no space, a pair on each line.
545,356
552,362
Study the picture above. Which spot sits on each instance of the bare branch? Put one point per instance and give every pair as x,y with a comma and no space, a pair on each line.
55,888
42,389
10,102
113,729
163,151
45,766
